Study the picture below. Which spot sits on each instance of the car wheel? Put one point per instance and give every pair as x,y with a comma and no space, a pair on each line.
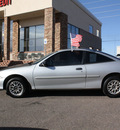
16,87
111,87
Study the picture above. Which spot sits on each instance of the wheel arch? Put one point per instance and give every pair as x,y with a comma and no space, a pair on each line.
13,76
109,75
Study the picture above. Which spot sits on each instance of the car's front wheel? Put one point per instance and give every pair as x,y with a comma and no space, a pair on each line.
111,87
16,87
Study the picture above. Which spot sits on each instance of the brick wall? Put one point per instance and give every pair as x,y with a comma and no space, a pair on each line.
6,38
49,32
55,30
61,21
15,41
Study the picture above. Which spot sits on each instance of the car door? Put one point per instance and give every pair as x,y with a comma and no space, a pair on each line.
63,70
96,66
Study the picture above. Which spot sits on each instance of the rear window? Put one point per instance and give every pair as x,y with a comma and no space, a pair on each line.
96,58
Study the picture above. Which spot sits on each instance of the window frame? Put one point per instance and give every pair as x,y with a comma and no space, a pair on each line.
90,27
98,33
11,35
27,40
2,37
71,29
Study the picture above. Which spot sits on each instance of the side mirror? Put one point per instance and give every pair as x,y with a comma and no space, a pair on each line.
43,64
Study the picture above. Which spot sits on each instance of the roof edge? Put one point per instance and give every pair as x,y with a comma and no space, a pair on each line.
86,11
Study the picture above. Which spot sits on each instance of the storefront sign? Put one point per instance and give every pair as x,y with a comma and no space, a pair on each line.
5,2
45,41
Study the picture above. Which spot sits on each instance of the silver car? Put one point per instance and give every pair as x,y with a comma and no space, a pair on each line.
65,69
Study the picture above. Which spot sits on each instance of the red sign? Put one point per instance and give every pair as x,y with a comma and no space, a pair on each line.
5,2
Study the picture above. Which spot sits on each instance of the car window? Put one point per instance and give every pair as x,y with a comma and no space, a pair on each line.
96,58
65,58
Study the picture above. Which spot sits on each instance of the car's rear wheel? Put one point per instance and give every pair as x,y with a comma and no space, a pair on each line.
111,87
16,87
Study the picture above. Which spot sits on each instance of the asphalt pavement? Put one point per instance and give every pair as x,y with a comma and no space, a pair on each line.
60,110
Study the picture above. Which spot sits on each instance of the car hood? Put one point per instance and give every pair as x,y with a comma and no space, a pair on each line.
15,66
24,69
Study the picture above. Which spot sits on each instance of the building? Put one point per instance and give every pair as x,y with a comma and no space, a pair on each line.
118,51
24,24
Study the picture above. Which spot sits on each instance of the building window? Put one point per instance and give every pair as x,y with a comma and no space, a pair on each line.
71,29
11,34
91,29
2,37
32,38
97,33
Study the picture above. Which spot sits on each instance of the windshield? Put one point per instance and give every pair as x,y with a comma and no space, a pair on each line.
42,58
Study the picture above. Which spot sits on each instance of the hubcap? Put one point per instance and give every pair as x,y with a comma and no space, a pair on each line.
16,88
113,87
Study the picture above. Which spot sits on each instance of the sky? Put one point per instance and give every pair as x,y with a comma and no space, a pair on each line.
108,12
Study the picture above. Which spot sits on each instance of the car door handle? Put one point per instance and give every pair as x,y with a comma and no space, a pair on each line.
78,68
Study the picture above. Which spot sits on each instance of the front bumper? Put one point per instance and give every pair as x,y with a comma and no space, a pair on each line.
1,82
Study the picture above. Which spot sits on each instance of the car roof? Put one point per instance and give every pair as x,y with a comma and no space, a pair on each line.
90,50
79,49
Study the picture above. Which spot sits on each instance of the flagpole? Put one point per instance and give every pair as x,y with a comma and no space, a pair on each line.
71,41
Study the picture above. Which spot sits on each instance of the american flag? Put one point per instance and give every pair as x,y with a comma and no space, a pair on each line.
75,39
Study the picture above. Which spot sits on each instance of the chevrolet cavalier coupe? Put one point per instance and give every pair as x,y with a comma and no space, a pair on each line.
66,70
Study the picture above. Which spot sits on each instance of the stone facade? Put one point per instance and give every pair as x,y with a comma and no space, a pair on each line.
55,30
6,38
49,34
15,40
61,23
90,40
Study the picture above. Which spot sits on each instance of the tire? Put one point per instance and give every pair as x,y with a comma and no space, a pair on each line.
16,87
111,87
